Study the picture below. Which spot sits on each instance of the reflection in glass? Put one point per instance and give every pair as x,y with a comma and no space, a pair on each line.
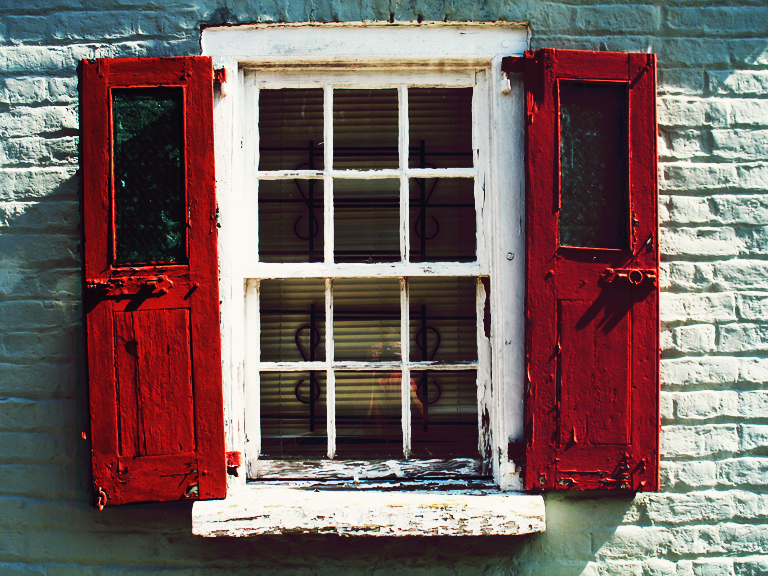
444,414
293,414
440,127
593,165
291,129
366,219
291,221
442,213
292,320
148,136
366,319
365,129
368,415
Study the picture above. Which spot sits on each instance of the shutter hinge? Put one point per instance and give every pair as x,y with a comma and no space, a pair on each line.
220,75
101,498
234,460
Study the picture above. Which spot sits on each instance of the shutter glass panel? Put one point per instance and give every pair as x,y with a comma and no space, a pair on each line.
365,129
291,129
440,127
593,165
442,213
148,140
291,221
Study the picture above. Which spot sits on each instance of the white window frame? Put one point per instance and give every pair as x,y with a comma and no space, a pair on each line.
449,54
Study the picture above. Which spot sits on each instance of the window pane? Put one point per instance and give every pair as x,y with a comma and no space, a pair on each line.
443,322
148,138
368,421
291,221
292,320
291,129
593,165
442,213
367,219
293,415
444,414
366,319
365,129
440,127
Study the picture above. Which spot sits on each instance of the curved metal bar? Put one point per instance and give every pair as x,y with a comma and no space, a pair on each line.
298,342
314,390
437,344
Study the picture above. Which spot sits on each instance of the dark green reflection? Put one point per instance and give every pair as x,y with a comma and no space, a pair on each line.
593,165
149,175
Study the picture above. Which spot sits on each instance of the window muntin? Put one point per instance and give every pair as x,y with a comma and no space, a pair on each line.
385,194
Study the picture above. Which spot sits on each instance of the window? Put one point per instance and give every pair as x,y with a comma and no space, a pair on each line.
388,302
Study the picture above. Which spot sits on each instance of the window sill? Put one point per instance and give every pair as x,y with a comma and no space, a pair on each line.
258,509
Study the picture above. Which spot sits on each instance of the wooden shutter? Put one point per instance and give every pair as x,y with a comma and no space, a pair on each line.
151,270
592,330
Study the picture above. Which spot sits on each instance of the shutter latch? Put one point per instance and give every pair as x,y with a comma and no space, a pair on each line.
632,275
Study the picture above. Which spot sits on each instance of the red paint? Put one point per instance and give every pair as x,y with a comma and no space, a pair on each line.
592,320
154,360
234,459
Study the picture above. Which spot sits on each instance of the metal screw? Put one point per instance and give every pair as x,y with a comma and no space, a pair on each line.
510,256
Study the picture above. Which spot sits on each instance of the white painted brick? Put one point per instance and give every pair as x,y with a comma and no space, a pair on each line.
754,436
703,405
696,540
699,507
683,145
749,112
632,541
742,274
667,406
739,209
715,307
689,276
23,121
743,472
33,183
713,567
715,371
744,538
742,337
39,215
740,145
693,339
32,448
620,568
752,306
677,111
699,441
688,475
753,404
753,370
40,379
39,151
700,242
751,565
685,210
660,567
742,82
698,177
755,240
749,505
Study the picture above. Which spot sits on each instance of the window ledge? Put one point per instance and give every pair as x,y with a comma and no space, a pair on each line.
274,509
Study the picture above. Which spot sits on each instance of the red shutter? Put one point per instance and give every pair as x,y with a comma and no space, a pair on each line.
592,396
151,269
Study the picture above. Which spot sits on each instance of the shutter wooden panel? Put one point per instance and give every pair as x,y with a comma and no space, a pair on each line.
592,330
152,312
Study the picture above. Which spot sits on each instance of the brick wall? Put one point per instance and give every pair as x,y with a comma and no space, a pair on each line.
712,516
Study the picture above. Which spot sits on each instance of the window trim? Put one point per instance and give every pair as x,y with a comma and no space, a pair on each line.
505,263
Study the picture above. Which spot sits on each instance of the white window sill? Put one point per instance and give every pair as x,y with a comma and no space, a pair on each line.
257,509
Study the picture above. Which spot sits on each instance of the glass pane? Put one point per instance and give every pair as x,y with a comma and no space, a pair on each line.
292,320
368,421
443,324
442,212
366,218
444,414
365,129
593,165
366,319
293,414
291,129
150,220
440,127
291,221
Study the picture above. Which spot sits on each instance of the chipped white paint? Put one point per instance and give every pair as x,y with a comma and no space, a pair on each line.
355,470
269,509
